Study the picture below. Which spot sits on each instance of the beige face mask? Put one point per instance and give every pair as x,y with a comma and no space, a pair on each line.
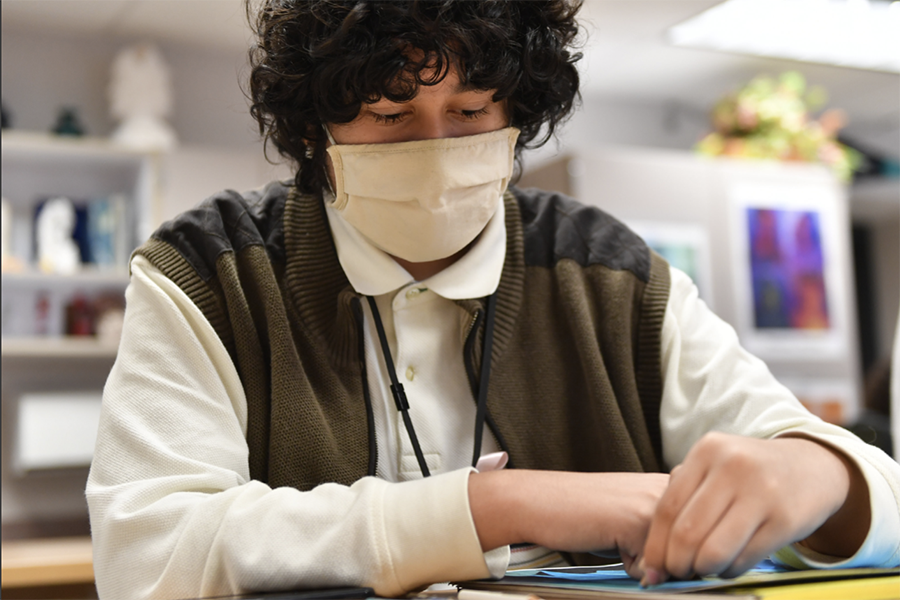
423,200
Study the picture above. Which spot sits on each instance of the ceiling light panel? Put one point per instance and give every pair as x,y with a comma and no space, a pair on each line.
849,33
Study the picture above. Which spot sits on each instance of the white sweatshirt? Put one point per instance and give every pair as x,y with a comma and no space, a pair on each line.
175,514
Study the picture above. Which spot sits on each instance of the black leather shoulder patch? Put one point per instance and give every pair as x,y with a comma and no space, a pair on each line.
226,222
557,227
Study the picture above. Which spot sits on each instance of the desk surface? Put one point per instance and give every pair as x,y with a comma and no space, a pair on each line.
48,561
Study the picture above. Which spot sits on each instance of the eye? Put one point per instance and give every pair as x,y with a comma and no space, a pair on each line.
388,119
473,114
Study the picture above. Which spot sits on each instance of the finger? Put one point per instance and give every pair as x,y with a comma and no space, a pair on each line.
767,539
697,520
683,481
631,565
737,532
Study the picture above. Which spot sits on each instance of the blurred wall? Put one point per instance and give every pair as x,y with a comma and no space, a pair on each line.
624,122
42,72
219,145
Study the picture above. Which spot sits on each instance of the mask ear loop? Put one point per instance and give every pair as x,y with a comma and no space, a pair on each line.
328,134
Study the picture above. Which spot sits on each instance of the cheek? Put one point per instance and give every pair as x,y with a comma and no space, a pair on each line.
359,131
502,119
493,122
503,113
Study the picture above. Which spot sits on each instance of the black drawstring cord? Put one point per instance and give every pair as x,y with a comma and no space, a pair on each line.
485,376
397,389
400,396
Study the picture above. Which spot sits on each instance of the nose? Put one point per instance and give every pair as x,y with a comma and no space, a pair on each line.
430,127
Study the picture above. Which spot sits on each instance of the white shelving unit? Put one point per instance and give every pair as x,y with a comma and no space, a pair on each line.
36,167
39,166
62,348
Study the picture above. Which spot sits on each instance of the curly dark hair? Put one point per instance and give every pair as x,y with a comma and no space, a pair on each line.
317,61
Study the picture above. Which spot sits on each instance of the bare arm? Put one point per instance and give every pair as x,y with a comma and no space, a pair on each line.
575,512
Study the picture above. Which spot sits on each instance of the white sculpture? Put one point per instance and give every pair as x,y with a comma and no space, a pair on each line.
140,94
57,251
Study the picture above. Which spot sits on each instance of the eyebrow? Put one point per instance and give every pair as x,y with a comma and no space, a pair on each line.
467,87
459,88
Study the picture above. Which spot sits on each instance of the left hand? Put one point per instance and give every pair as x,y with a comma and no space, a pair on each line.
735,500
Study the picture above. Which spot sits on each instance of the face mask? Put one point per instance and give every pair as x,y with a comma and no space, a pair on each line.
423,200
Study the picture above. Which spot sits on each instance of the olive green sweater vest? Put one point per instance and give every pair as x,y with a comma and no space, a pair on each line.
575,368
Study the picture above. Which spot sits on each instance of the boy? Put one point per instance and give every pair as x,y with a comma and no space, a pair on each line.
306,371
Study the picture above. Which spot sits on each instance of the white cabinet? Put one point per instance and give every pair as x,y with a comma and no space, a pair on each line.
39,363
90,173
37,166
38,358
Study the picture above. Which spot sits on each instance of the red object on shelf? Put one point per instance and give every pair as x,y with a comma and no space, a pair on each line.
41,314
79,317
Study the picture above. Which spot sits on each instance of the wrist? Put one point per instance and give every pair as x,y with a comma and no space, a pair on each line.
844,532
496,510
845,529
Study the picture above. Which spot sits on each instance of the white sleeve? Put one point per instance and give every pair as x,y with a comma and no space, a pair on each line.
175,514
710,383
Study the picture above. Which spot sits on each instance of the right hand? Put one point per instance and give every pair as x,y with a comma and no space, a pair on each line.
575,512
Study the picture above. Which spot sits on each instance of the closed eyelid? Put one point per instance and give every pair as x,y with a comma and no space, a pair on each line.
462,93
385,108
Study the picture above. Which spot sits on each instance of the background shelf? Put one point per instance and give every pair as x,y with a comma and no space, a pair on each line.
84,278
70,348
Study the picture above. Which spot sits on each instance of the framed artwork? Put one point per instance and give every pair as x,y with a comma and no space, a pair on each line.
791,292
685,246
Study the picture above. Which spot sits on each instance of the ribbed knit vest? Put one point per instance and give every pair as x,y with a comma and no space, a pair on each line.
575,380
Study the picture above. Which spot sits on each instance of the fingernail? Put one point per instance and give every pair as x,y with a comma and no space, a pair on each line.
651,577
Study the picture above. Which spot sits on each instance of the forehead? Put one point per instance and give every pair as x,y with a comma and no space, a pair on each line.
447,84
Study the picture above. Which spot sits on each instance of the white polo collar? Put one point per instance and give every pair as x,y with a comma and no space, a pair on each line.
373,272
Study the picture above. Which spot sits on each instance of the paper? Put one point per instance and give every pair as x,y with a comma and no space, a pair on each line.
578,581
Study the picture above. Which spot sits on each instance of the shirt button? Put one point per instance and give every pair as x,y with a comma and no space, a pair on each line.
412,293
410,373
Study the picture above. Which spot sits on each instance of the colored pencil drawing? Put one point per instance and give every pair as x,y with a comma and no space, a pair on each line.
787,269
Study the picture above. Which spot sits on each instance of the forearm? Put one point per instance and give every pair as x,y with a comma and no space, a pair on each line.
574,512
389,536
246,538
496,511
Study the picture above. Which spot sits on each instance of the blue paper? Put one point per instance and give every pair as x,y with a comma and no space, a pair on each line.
616,577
